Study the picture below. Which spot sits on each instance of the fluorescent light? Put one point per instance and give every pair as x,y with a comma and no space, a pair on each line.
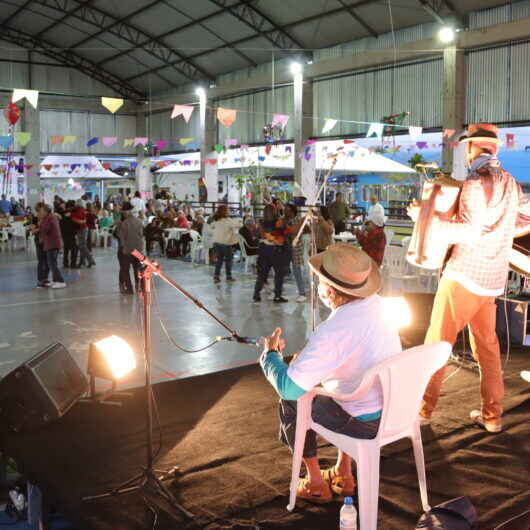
296,68
446,34
200,92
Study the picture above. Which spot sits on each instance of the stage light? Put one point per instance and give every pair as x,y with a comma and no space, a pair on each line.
296,68
111,358
446,34
397,312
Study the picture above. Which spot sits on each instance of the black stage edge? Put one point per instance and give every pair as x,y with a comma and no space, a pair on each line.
221,430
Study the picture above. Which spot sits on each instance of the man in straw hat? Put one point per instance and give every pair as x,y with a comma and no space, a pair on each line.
491,208
354,338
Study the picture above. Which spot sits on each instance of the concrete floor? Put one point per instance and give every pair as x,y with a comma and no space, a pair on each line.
91,308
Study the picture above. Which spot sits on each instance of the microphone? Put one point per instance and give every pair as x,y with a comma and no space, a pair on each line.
433,165
254,341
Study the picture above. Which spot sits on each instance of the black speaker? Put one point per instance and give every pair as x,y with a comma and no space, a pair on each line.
41,390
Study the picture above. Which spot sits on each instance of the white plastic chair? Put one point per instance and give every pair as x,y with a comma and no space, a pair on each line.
396,265
4,237
403,378
207,242
249,260
389,234
104,234
196,246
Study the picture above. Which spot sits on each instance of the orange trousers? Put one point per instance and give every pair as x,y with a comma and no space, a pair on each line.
455,307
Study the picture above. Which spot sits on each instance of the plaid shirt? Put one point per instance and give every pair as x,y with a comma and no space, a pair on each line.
491,207
373,243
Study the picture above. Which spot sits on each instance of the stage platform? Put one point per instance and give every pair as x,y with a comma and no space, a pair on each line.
221,430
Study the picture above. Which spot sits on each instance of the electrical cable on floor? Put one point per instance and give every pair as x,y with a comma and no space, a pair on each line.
166,332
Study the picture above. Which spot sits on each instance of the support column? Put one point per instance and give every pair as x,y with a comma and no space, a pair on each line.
144,178
304,170
32,181
207,139
454,97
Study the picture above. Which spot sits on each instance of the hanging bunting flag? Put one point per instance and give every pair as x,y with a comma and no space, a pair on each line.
310,142
128,142
161,144
57,140
261,158
348,141
510,141
6,141
280,119
422,145
377,129
288,149
106,165
185,141
329,124
112,104
92,141
32,96
307,153
69,140
140,140
109,141
268,149
219,148
211,161
22,138
48,167
243,146
226,116
182,110
448,133
415,133
230,142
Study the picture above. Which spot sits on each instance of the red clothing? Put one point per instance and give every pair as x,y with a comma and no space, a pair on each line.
79,214
50,233
182,222
374,244
91,221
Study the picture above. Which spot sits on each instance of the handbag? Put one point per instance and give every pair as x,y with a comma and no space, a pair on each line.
456,514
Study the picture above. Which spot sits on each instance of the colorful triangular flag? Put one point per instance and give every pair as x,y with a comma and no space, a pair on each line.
182,110
22,138
377,129
328,125
31,95
112,104
226,116
109,141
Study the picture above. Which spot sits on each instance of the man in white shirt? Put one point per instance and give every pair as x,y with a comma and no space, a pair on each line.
339,352
138,204
376,211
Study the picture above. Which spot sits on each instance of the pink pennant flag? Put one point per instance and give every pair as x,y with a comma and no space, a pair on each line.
510,141
448,133
226,116
140,141
280,119
230,141
161,144
109,141
182,110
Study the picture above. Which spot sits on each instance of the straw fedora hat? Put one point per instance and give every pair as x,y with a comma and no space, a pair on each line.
482,133
348,269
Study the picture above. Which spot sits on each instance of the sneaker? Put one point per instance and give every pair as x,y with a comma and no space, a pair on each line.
271,297
490,426
230,279
301,298
525,374
280,300
43,285
58,285
257,298
216,280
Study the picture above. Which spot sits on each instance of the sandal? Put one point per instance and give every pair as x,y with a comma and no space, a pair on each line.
321,496
343,486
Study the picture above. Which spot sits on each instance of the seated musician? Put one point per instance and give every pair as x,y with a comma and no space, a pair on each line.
339,352
372,239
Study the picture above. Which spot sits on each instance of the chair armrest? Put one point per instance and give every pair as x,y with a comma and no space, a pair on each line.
361,391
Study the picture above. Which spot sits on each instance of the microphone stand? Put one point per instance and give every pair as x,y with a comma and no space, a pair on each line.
147,483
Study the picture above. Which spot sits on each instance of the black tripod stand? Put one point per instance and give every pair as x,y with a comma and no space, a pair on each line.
147,483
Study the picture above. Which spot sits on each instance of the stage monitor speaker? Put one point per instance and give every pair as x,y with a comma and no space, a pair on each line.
41,390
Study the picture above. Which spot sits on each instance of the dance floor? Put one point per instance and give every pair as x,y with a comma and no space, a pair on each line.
221,430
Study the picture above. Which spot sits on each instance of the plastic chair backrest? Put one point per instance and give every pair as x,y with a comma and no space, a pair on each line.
405,242
241,241
403,379
389,234
195,236
396,259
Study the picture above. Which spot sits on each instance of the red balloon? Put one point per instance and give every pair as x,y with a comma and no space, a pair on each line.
12,113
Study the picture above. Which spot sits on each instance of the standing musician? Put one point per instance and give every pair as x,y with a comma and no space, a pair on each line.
491,208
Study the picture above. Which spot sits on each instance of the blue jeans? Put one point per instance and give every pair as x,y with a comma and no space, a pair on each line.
299,277
42,263
85,257
328,413
224,254
51,259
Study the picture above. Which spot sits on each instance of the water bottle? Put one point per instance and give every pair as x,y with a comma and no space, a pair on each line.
348,515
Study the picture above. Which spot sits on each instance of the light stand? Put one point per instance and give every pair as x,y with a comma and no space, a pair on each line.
147,483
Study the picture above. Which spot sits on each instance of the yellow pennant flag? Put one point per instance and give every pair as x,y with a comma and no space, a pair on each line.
128,142
69,140
185,141
112,104
22,138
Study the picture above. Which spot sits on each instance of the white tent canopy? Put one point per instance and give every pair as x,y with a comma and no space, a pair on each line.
352,158
75,167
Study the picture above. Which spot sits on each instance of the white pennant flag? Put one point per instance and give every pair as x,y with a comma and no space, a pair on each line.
377,129
415,133
31,95
328,125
